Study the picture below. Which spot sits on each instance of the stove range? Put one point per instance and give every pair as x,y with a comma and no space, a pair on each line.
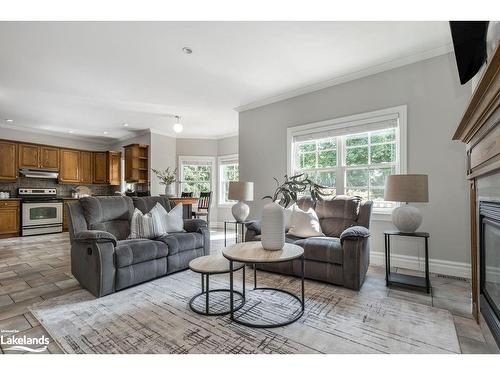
41,211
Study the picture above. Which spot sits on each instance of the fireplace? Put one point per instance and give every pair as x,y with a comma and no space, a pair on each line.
489,263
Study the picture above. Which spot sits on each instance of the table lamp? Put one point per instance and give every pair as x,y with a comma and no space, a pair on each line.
240,191
406,188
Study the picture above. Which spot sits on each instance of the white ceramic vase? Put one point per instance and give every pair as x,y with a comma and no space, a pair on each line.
273,227
170,190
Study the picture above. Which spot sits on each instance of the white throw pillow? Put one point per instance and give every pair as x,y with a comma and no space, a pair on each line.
288,217
147,225
172,221
305,223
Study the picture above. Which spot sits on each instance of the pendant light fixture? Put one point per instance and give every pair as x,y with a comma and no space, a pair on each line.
177,127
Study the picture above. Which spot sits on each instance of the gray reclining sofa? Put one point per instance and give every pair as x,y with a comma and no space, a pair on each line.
104,261
343,256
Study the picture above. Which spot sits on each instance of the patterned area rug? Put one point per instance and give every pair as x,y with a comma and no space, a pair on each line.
155,318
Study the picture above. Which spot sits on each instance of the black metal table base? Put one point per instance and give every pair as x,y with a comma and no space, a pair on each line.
205,291
296,315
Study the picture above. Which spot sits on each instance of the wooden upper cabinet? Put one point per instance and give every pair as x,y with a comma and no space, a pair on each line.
49,157
86,171
115,168
29,156
8,158
100,165
70,166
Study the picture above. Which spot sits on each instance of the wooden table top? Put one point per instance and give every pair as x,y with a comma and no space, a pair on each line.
210,264
184,200
253,252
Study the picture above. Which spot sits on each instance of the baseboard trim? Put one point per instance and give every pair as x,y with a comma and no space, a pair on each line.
443,267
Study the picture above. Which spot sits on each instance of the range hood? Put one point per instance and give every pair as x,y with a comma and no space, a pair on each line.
38,173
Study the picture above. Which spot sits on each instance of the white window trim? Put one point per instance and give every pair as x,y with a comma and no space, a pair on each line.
210,159
220,160
356,121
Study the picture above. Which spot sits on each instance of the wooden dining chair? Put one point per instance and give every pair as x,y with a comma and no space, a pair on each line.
203,209
186,194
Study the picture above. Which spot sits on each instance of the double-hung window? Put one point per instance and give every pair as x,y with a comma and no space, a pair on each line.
352,155
197,174
228,172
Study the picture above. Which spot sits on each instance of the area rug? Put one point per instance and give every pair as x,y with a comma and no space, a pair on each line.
155,318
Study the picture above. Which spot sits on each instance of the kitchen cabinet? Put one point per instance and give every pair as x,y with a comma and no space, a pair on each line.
86,170
8,156
49,157
29,156
137,163
37,156
70,166
9,218
100,165
115,159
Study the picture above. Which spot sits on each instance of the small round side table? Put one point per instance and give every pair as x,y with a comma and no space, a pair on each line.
213,265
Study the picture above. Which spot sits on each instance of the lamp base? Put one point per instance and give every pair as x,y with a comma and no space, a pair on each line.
240,211
406,218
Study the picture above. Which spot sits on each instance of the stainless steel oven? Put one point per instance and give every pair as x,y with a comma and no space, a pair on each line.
41,211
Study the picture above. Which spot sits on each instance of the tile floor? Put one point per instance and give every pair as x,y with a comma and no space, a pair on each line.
33,269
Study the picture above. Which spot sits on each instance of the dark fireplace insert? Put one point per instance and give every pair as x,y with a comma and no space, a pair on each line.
489,261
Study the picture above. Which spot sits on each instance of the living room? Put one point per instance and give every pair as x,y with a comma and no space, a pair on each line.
249,187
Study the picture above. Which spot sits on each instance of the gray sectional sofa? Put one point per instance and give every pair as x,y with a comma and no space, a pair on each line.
104,261
343,256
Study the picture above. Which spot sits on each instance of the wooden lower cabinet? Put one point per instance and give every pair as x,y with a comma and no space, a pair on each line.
9,218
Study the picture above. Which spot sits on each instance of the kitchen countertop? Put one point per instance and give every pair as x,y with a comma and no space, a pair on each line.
10,199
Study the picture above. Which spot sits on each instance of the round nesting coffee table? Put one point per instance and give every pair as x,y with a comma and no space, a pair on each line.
254,253
213,265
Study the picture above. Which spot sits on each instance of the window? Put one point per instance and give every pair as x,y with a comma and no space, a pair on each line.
352,155
228,171
196,174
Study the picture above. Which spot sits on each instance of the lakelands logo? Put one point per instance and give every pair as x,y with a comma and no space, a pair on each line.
23,343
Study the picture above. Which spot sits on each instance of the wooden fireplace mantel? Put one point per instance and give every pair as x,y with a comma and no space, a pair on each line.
479,130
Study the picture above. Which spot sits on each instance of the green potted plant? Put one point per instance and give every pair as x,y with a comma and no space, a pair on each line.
168,177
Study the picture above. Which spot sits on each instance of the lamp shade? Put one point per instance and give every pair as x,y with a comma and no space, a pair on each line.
240,191
406,188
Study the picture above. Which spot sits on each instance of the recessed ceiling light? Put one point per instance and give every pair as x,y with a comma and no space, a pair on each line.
105,132
187,50
9,120
177,127
71,131
125,124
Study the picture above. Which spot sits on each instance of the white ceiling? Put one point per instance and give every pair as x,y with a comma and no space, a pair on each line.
89,77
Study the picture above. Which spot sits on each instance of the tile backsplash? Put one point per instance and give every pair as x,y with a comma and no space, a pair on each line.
63,190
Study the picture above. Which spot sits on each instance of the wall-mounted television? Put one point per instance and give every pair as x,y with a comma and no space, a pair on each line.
469,42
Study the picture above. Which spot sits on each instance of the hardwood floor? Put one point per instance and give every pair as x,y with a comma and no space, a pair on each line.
33,269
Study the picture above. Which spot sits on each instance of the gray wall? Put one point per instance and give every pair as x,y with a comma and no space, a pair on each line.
435,102
162,155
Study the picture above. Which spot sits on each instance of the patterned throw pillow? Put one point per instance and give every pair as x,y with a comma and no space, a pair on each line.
148,225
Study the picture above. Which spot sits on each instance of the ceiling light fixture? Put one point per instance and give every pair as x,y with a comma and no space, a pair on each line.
125,124
177,126
9,120
187,50
105,132
71,131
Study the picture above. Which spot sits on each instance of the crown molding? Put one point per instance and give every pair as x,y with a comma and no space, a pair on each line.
75,137
379,68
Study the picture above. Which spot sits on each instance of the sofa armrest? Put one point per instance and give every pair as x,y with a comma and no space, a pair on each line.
194,225
254,226
354,233
98,236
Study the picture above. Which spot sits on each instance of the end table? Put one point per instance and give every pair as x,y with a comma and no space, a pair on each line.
236,224
409,281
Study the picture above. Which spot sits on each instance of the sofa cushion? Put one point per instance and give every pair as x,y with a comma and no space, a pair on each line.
337,214
182,241
109,214
134,251
145,204
322,249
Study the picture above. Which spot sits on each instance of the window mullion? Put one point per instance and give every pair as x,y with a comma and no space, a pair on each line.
340,173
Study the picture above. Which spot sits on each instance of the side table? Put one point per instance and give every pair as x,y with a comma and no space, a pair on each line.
413,282
236,224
